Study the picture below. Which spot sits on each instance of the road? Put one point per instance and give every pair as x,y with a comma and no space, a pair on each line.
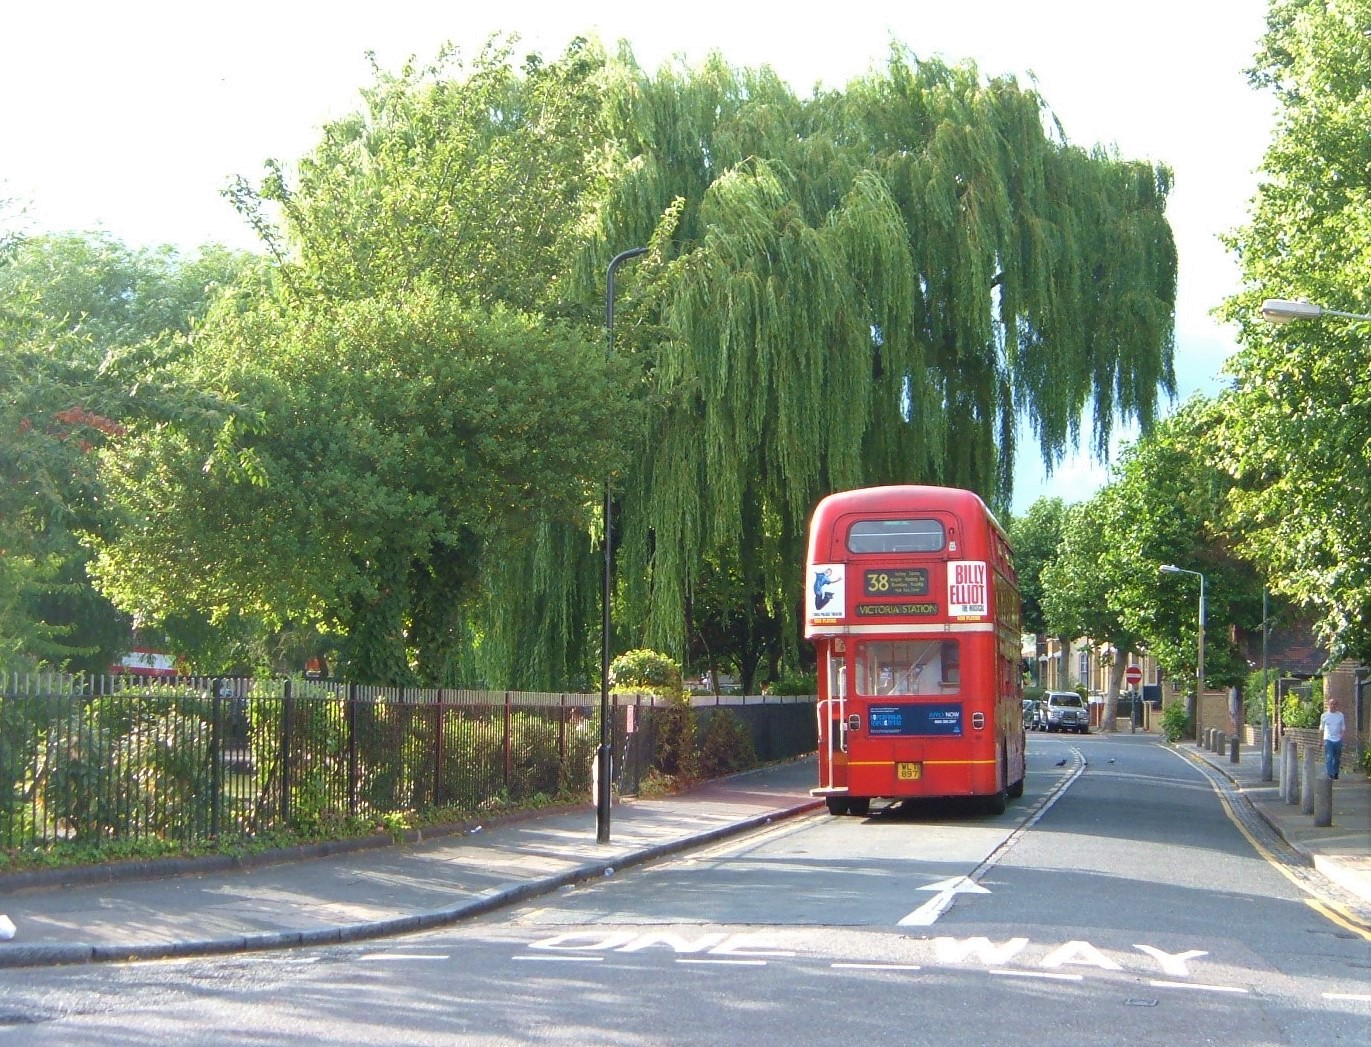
1118,902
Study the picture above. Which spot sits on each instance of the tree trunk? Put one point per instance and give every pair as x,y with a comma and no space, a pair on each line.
1111,698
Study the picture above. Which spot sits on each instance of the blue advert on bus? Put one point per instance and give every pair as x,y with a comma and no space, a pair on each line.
915,719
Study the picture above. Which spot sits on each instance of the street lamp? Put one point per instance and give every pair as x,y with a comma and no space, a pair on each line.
1167,568
1283,310
1267,774
603,757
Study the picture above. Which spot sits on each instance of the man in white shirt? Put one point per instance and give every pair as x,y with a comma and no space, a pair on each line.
1332,723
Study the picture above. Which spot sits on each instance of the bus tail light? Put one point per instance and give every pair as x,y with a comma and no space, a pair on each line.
978,721
854,722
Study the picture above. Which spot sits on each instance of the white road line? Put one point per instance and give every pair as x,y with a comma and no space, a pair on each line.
1364,997
562,959
404,956
877,966
1038,974
1200,986
723,963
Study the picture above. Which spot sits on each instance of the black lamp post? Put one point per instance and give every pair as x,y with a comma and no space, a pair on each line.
604,761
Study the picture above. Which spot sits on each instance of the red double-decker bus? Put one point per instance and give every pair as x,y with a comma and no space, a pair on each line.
913,605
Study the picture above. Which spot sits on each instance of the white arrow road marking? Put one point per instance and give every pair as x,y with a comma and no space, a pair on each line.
927,914
6,928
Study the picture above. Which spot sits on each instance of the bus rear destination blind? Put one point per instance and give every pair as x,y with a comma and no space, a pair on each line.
895,581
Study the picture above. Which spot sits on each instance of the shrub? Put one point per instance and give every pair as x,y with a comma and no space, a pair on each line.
1255,690
1299,711
798,684
1176,724
644,671
673,748
727,746
647,671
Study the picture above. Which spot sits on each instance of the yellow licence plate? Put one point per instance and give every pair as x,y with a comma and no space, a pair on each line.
909,772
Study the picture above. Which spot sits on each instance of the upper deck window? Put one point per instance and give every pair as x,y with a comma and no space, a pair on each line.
896,536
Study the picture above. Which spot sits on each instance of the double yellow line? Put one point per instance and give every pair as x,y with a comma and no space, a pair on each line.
1331,910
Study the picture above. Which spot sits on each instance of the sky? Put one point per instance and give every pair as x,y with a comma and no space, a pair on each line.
132,117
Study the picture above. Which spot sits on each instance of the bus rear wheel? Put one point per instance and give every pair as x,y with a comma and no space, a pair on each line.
998,802
861,806
836,804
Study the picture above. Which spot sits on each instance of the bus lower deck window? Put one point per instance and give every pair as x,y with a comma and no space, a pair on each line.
908,667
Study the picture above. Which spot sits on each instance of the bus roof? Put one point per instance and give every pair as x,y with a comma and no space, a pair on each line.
902,497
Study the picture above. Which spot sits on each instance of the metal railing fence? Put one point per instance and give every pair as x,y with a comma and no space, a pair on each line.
192,760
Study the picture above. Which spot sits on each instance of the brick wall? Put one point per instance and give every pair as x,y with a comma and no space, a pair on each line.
1307,736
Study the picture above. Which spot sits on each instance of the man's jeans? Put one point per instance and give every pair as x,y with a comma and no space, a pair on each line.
1332,755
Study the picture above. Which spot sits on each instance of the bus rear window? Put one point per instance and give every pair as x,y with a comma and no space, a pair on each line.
908,667
895,536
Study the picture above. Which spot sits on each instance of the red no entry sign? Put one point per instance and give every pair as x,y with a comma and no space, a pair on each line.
1133,675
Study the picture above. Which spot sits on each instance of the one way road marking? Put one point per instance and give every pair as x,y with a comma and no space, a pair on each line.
927,914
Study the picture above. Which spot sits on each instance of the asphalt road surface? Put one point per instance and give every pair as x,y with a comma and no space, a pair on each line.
1120,901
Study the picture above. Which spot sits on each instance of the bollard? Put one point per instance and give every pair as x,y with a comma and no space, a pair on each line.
1233,751
1267,770
1323,801
1279,774
1311,770
1209,738
1290,781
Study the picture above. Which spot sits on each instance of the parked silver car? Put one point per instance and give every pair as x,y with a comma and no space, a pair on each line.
1066,711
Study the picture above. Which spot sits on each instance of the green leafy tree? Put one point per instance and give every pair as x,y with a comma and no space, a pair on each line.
1163,505
1036,537
1176,497
868,286
1295,437
85,326
388,443
729,632
430,410
474,177
1082,587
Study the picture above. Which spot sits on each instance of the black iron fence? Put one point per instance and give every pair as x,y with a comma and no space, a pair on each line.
193,760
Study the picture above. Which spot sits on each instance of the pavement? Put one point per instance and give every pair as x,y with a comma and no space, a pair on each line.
369,889
1340,851
372,889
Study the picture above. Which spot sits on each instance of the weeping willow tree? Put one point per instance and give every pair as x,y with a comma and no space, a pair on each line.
868,286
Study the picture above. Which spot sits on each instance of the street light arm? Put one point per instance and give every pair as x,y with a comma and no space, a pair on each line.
1283,310
622,256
